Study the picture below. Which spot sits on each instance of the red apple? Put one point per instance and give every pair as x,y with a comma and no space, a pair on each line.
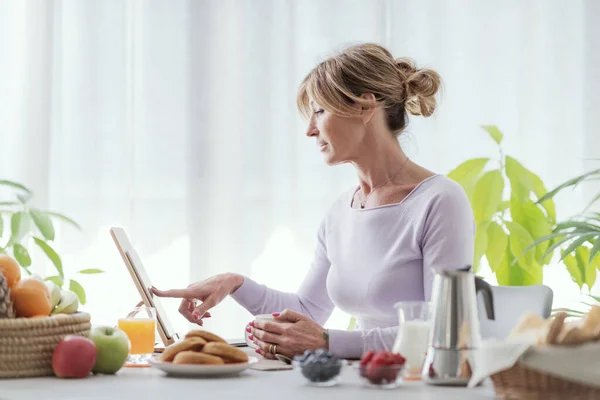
74,357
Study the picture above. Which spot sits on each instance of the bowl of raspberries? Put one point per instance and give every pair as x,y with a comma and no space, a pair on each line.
381,369
320,367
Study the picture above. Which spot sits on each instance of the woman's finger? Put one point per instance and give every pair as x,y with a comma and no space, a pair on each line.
264,346
289,316
177,293
203,307
269,326
266,337
185,309
266,355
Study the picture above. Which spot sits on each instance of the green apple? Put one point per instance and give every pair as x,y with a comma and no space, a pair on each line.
113,347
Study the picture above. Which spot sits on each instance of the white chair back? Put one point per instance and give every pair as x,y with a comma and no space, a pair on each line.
510,303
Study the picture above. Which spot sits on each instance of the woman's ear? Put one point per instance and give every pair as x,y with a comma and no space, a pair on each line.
368,110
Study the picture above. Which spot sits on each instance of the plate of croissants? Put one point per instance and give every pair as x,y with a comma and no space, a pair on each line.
202,354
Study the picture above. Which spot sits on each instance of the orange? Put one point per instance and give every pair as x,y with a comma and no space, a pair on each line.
10,269
31,298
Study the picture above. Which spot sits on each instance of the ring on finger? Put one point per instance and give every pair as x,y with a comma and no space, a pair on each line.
272,348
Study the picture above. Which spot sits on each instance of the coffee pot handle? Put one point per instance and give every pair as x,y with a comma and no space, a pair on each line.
488,297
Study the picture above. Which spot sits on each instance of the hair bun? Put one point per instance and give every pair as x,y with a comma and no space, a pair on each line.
421,85
406,66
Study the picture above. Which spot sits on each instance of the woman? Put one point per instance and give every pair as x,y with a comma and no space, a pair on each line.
381,241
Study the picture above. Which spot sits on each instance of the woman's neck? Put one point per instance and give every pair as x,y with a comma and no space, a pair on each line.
382,161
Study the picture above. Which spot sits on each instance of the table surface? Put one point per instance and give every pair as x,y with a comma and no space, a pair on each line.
288,384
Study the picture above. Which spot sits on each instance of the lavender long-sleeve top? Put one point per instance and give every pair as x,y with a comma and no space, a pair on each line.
366,260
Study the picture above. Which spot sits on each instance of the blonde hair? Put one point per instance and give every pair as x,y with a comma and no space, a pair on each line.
337,84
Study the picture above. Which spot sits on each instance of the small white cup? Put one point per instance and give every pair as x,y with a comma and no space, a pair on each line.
249,342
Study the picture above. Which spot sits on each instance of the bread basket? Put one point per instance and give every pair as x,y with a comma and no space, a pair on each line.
27,344
521,383
544,359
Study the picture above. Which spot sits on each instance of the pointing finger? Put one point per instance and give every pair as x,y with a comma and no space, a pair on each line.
176,293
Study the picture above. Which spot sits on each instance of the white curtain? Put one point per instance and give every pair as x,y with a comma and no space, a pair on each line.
176,120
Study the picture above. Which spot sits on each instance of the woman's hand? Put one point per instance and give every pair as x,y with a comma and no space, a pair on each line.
210,292
292,332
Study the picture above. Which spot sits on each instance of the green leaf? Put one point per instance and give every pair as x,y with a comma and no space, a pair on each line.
8,203
523,181
487,195
532,218
56,279
519,240
576,243
503,206
580,226
20,224
76,288
43,223
467,173
573,268
505,268
510,273
582,254
571,182
21,255
14,185
494,133
519,181
480,244
497,242
91,271
595,297
594,253
563,238
64,218
591,203
540,190
1,225
534,276
52,255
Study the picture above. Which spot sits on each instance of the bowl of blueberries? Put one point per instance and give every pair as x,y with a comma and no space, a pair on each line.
320,367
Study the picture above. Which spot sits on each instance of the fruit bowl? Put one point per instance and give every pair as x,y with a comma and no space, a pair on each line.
381,370
27,344
319,368
381,377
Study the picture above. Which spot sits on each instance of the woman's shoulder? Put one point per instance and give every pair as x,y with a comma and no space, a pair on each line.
441,187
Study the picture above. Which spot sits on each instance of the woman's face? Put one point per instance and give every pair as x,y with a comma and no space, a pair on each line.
338,138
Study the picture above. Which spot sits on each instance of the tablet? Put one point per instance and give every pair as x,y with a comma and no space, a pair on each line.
142,282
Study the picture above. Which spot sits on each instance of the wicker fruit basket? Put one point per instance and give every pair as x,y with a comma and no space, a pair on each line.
521,383
26,344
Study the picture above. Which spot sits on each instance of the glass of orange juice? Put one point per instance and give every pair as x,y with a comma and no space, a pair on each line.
140,327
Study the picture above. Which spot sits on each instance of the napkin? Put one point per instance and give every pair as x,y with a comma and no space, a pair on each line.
580,363
265,364
270,365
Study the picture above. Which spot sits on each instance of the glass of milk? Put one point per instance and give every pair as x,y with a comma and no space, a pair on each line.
413,335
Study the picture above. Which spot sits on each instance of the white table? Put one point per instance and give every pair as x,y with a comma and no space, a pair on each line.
149,383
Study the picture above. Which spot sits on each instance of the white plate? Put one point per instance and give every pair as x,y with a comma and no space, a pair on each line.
202,370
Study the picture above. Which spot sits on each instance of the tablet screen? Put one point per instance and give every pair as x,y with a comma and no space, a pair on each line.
142,280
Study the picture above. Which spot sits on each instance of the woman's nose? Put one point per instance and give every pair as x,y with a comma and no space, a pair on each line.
312,130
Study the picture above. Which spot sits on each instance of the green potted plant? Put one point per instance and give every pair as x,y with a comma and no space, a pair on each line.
510,214
578,237
22,225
